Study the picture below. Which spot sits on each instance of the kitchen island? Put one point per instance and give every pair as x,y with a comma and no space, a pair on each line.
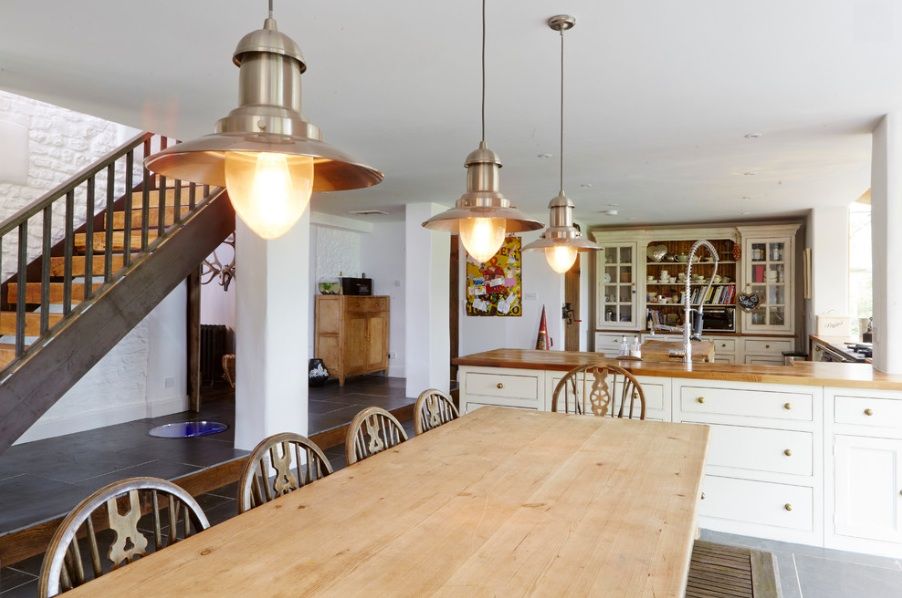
809,452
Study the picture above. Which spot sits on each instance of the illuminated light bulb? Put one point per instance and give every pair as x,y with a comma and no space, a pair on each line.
269,191
561,257
482,237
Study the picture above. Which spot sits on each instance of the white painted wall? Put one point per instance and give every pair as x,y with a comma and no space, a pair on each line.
585,289
827,234
426,289
382,258
542,286
886,214
144,375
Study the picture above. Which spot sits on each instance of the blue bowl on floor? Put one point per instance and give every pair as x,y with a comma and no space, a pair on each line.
192,429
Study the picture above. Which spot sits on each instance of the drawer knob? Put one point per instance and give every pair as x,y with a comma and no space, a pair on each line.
788,506
788,452
787,406
767,346
499,386
703,496
700,399
869,411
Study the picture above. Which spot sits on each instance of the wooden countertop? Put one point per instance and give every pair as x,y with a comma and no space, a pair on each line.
810,373
500,502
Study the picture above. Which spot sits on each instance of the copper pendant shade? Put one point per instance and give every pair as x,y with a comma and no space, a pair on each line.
268,120
561,231
483,198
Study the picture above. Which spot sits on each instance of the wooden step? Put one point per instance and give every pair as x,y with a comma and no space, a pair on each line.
138,197
57,265
33,292
7,353
153,213
32,322
81,240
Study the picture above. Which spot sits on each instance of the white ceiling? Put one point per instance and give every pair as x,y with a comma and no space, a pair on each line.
660,94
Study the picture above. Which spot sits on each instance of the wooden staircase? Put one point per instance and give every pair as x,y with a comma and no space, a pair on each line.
95,279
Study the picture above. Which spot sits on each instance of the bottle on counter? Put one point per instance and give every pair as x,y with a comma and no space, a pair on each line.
624,347
636,349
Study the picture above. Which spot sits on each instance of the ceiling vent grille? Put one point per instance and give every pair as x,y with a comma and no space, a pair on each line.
368,213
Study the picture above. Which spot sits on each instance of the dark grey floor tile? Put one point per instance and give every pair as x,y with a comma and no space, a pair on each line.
27,590
11,578
826,578
157,469
66,462
228,491
789,577
333,419
222,512
316,407
28,499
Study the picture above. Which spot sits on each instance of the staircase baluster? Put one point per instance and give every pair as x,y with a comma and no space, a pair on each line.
67,260
129,190
46,245
89,233
192,195
20,287
110,216
145,200
177,215
161,213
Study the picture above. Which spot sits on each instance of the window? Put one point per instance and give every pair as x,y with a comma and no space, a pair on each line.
861,296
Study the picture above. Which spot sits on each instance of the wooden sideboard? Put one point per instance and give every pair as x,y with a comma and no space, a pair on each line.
352,334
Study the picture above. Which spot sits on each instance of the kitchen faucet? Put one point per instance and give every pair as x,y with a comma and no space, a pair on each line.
691,332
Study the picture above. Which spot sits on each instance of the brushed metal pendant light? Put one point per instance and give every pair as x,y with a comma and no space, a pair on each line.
562,240
482,216
268,157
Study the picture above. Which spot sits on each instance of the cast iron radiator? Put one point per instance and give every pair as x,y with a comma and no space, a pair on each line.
212,347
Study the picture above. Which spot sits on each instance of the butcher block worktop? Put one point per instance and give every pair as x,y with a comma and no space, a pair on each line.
857,375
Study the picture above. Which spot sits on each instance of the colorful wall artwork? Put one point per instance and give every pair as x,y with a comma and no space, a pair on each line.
495,288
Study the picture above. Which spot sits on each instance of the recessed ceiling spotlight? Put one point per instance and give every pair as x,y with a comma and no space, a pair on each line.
745,197
750,173
613,205
544,156
752,135
586,185
610,212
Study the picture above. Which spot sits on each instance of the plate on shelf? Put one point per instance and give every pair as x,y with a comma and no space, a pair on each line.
656,253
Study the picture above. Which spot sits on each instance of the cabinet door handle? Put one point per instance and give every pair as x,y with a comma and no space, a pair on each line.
700,399
788,452
787,406
499,386
788,506
767,346
869,411
703,496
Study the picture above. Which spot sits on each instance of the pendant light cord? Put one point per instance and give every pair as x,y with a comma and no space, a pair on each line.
270,9
483,72
562,114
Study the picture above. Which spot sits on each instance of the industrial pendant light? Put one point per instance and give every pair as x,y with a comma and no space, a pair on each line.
562,240
266,155
482,216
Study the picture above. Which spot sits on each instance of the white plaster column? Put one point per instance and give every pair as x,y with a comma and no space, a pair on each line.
272,294
426,331
828,237
886,241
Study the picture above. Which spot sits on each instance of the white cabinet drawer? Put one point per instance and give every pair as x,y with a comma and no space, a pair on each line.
699,400
769,346
724,345
761,449
868,411
510,386
762,503
609,343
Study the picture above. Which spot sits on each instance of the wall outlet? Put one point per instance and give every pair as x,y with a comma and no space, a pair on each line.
169,382
392,355
530,296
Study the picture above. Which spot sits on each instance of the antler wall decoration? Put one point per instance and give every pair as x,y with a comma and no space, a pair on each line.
211,270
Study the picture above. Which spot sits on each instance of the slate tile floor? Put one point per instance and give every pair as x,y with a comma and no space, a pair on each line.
43,479
811,572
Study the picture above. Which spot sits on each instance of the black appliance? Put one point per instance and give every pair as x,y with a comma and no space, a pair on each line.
356,286
716,319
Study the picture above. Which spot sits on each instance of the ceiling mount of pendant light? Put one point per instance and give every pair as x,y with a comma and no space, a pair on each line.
482,216
562,240
268,157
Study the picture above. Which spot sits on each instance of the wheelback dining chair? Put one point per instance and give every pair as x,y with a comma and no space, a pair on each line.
117,508
372,431
433,409
296,461
602,390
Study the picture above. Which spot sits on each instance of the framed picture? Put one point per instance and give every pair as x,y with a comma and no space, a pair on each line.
495,287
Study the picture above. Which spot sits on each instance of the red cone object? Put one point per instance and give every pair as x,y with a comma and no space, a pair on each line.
543,343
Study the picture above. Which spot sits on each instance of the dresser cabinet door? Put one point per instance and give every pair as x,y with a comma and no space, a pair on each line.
868,481
377,351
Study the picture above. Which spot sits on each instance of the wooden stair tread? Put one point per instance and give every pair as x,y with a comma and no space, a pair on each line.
80,240
56,290
57,264
153,213
154,197
32,322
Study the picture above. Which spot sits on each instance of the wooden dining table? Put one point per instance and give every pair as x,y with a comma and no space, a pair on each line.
500,502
